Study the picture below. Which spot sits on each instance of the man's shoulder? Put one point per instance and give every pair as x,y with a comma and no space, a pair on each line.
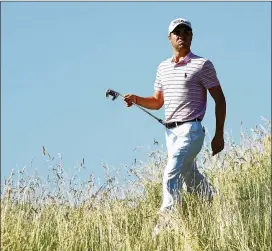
194,58
199,59
165,64
166,61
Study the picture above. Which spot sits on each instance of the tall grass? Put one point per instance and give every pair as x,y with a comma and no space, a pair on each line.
60,213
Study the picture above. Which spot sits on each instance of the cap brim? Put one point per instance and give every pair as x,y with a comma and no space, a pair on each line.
180,24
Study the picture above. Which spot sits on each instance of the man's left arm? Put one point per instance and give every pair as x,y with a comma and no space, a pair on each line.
220,114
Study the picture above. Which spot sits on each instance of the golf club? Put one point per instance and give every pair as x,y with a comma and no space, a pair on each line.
115,95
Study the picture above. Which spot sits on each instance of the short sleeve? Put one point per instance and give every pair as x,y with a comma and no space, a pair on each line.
158,83
208,75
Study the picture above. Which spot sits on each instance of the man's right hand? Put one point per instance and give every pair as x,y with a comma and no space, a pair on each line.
154,102
130,99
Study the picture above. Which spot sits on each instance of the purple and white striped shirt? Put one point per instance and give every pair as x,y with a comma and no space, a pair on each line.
184,86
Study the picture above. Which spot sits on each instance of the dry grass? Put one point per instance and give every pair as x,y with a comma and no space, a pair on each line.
61,214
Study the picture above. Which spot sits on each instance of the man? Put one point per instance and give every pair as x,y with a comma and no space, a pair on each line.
181,86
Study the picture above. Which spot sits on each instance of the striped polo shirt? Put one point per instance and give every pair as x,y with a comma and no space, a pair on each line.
184,86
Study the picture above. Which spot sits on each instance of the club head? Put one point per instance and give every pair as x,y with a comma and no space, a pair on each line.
112,93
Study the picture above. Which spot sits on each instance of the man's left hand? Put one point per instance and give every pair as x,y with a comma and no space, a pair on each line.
217,144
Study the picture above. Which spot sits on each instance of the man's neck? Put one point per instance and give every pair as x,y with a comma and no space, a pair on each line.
180,55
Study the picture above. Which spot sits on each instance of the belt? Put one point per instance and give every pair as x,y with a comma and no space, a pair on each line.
176,124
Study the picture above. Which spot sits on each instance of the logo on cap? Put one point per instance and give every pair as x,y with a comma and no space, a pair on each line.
181,21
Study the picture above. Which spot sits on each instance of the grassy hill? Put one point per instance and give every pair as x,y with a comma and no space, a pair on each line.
58,214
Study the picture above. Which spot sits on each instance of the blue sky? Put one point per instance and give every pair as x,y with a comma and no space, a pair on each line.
59,58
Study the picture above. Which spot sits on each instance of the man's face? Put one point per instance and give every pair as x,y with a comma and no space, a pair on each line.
181,37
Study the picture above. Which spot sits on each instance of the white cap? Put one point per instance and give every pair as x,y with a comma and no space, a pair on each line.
177,22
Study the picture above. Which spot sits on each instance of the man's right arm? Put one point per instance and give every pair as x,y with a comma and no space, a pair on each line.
154,102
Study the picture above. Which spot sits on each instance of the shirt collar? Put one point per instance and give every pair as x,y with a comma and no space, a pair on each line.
185,60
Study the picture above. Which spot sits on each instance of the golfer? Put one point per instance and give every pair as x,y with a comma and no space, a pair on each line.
181,85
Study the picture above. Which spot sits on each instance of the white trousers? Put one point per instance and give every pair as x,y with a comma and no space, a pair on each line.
183,144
